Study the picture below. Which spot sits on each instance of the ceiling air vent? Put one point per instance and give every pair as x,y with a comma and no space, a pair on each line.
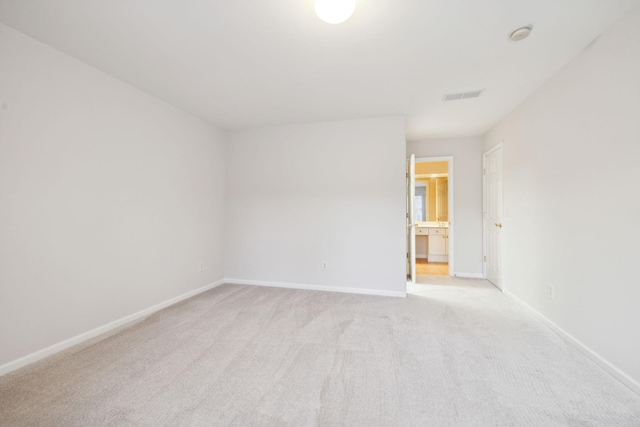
462,95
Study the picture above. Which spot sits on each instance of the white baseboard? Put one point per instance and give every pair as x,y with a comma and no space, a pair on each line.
469,275
584,349
63,345
401,294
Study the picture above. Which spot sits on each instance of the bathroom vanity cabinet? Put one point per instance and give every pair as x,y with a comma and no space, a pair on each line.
436,240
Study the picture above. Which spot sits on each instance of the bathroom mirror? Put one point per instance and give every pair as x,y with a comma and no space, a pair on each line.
431,201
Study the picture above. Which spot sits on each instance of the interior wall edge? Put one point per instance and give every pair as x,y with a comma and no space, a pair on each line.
85,336
609,367
307,287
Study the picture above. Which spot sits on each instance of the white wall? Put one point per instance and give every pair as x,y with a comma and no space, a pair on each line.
467,197
299,195
109,198
572,177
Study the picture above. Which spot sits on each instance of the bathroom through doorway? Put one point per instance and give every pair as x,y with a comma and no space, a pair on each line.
431,212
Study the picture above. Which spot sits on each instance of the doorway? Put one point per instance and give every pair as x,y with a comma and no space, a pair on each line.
430,218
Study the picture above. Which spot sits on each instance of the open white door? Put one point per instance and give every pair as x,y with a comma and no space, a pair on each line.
492,178
411,231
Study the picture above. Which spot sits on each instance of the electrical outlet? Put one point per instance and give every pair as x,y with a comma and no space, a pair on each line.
324,265
201,265
550,291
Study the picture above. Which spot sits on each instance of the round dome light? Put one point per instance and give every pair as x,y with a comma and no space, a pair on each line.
334,11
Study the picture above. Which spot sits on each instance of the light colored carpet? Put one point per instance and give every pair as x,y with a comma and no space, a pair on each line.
454,353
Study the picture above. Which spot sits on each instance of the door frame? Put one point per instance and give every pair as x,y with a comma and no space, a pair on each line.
450,207
499,146
411,238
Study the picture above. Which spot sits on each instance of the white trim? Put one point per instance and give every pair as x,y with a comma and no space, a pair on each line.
470,275
63,345
412,220
583,348
494,148
306,287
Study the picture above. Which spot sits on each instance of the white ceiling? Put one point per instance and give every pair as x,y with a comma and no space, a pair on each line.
251,63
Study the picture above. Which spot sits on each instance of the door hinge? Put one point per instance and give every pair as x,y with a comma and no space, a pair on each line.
485,258
484,171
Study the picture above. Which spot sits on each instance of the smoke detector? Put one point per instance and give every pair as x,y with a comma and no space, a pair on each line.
520,33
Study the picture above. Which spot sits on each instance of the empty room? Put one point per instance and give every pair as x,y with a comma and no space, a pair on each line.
319,213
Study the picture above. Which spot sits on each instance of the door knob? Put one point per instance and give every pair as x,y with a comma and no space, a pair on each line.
499,224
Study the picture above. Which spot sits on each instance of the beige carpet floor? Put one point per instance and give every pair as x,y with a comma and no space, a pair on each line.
454,353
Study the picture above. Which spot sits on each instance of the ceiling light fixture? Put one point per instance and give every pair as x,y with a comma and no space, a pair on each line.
334,11
520,33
